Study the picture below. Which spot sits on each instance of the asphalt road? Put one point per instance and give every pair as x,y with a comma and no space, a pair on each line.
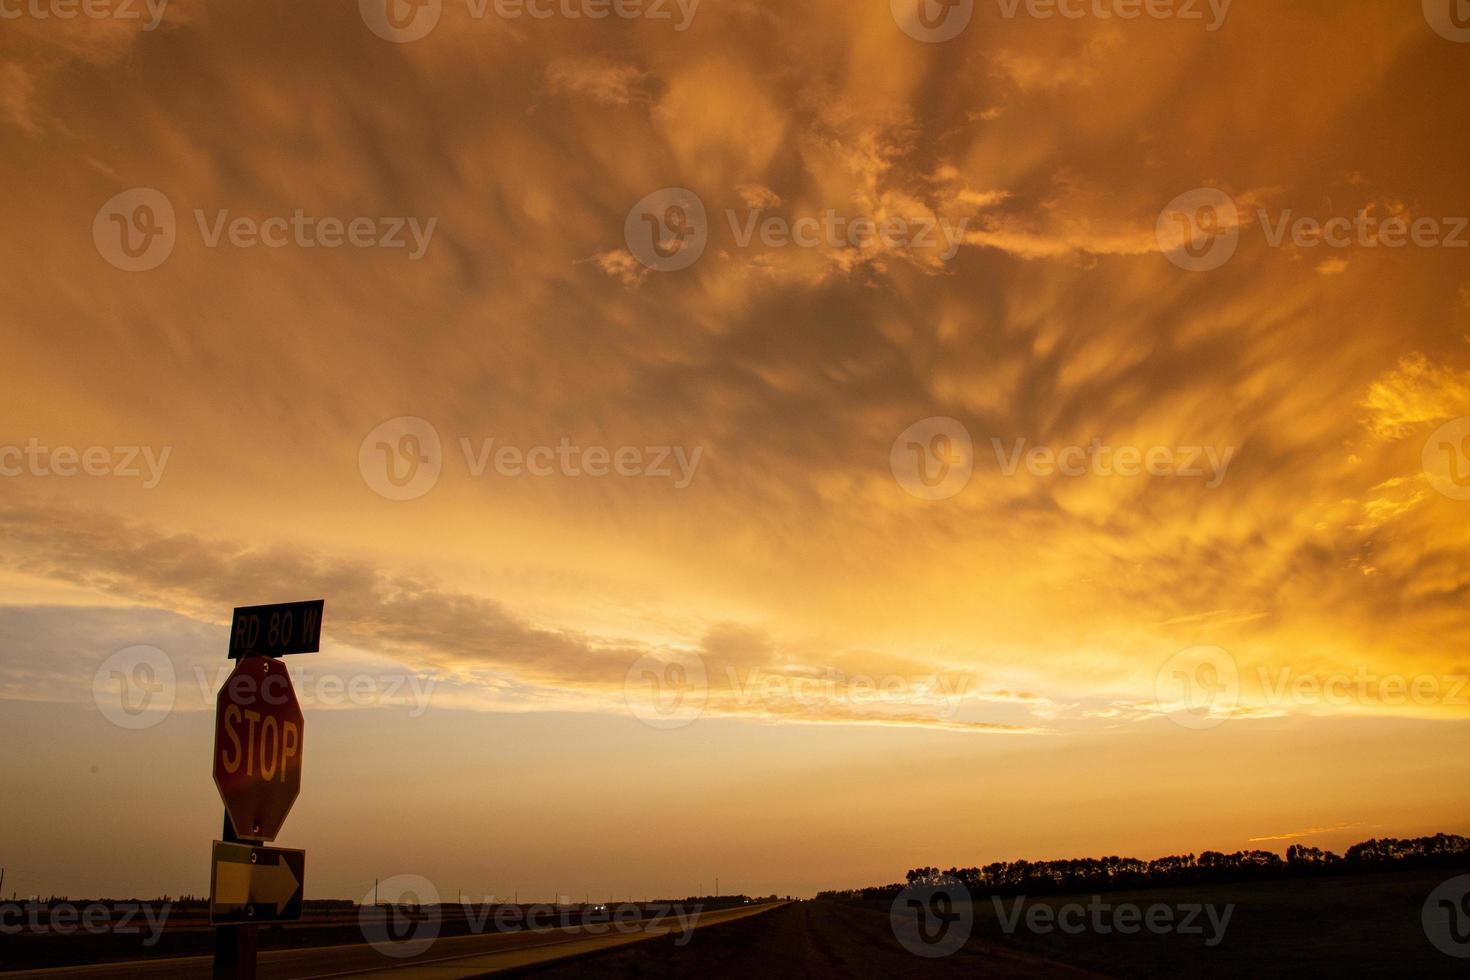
460,956
803,941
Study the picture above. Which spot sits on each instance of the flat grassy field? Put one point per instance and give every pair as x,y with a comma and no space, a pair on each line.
1365,925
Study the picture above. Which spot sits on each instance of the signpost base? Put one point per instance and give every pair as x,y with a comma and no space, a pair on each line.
234,946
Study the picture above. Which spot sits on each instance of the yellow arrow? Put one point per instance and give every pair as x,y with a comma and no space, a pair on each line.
275,883
236,883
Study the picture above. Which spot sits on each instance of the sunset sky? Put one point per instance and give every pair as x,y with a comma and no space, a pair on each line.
889,680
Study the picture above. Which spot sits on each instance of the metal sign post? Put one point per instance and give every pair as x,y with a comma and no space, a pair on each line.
258,745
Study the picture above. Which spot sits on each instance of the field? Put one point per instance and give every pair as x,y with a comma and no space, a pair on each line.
1364,925
1361,926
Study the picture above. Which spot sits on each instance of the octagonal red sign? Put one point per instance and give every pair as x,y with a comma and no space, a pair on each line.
258,738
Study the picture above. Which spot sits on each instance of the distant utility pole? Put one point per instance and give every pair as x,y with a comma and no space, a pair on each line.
375,893
717,886
2,881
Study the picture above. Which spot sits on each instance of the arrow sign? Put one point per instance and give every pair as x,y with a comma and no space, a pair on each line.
255,884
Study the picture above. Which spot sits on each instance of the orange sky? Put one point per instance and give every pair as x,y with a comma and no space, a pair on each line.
879,680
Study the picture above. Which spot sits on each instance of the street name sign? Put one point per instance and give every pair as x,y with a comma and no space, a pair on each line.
276,631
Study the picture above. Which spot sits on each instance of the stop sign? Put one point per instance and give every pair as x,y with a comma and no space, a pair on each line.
258,732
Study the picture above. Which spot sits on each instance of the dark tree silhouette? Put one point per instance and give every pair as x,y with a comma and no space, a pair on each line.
1116,873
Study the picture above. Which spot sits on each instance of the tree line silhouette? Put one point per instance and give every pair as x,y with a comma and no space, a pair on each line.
1210,867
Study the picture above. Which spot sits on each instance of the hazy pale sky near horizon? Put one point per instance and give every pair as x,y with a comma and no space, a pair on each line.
889,680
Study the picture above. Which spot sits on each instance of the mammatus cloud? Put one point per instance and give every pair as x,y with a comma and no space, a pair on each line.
1416,392
468,640
36,53
850,626
600,81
